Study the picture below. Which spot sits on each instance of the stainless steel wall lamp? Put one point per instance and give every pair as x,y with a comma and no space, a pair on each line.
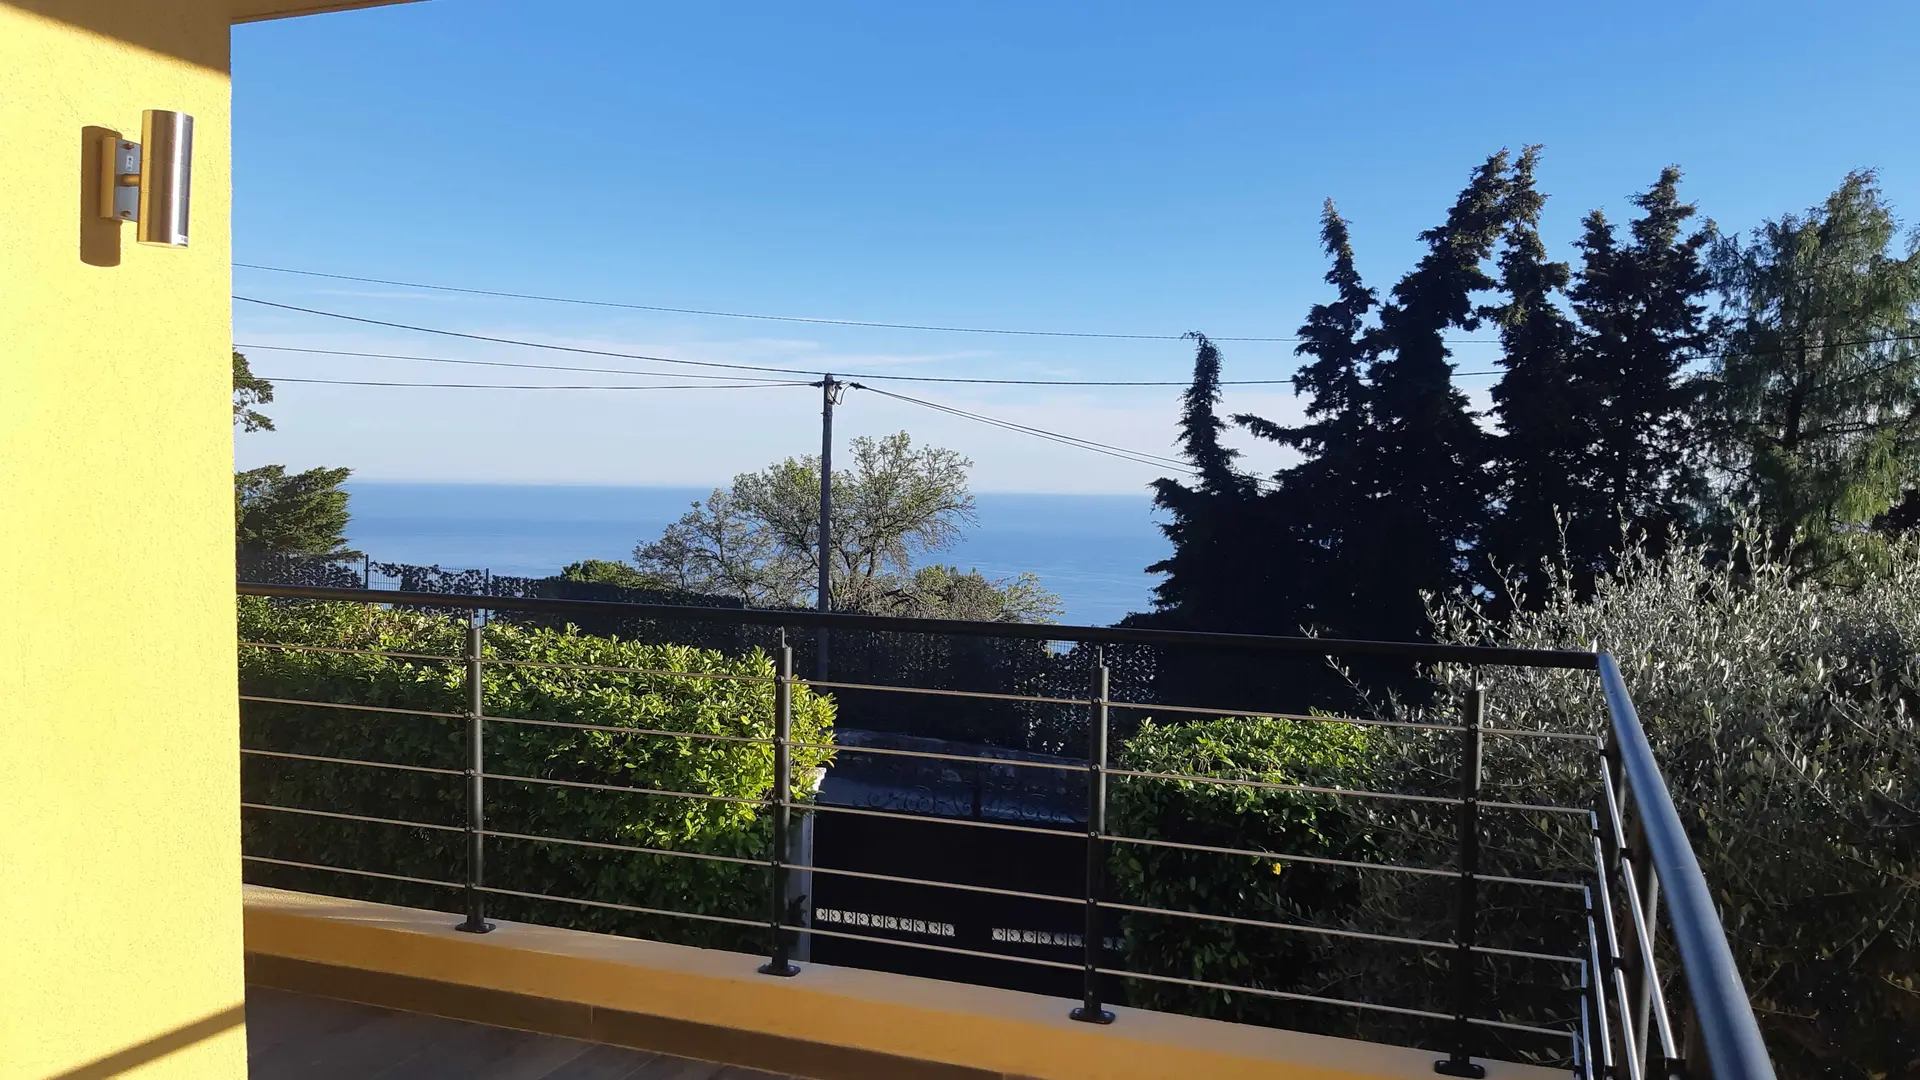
150,182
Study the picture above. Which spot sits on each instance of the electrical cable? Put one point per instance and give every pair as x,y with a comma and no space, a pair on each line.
525,344
1141,457
505,295
538,386
485,363
1138,457
732,367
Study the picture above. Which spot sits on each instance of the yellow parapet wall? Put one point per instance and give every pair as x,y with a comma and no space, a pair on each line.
543,978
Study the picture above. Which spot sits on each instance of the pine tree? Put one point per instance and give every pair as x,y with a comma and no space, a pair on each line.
276,512
281,513
1643,318
1426,487
1817,393
1541,469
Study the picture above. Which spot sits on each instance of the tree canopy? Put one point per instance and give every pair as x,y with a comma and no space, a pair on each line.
1817,385
1660,377
277,512
611,572
758,539
282,513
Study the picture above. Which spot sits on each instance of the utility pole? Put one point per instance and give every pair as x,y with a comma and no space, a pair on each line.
830,392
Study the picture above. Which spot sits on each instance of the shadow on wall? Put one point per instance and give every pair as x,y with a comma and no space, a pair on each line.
176,28
160,1046
99,237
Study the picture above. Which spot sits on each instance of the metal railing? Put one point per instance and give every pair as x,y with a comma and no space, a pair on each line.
1620,1025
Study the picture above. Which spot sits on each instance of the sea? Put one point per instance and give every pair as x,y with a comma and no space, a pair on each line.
1092,550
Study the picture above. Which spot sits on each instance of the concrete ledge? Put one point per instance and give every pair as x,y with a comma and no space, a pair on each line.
830,1023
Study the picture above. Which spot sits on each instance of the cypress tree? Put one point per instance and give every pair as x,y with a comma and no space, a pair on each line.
1320,502
1207,517
1425,456
1227,563
1541,469
1643,317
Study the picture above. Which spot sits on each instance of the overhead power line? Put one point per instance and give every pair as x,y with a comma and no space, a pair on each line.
514,341
1141,457
1138,457
507,295
532,386
583,350
486,363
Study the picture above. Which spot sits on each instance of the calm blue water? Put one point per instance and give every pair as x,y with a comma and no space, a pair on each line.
1091,549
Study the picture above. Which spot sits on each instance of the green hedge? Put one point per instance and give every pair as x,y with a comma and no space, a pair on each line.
1220,815
514,689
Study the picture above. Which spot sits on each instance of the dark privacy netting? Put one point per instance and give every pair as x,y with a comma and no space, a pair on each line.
1223,680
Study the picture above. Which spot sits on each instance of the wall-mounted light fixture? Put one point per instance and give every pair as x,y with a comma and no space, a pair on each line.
150,182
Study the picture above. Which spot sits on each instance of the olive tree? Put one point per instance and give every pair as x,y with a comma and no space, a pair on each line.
1781,710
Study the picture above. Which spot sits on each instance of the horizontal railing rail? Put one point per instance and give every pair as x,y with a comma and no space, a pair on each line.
1616,1024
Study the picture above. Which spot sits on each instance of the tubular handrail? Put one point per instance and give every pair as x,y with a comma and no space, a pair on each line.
1419,652
1725,1017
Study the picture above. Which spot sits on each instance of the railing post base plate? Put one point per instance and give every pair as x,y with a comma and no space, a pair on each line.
1459,1066
1100,1016
784,971
472,927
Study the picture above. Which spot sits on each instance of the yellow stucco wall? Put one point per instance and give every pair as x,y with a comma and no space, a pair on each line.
120,914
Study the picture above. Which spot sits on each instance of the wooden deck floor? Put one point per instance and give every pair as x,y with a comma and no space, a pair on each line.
297,1037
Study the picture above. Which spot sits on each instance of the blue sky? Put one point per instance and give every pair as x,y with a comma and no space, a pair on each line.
1115,167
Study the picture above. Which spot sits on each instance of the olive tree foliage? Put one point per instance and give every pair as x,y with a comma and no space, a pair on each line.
1781,710
759,539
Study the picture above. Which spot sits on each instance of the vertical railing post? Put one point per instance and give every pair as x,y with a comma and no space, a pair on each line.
781,798
1465,987
1643,919
1090,1010
1619,837
476,782
1593,979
